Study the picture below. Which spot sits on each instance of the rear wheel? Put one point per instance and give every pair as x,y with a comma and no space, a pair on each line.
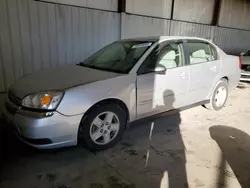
219,96
102,128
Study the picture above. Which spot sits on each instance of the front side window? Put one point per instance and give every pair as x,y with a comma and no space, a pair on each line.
118,57
199,52
170,56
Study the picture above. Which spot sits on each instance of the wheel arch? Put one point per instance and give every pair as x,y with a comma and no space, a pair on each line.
84,140
215,85
225,78
119,102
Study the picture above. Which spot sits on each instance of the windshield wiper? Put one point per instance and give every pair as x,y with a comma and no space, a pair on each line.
81,64
87,65
100,68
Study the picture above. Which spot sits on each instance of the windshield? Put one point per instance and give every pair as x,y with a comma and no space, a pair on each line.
118,57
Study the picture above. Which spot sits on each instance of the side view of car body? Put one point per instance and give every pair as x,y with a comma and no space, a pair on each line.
92,102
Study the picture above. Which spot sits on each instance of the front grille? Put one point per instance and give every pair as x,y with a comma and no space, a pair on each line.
41,141
17,101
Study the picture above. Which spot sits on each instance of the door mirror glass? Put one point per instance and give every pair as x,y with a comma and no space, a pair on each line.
160,69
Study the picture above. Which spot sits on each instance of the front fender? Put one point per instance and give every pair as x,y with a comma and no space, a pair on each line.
79,99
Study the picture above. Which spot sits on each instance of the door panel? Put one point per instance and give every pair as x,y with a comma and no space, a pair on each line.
157,93
204,69
162,91
202,78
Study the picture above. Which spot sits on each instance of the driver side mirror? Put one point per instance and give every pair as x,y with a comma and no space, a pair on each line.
160,69
242,53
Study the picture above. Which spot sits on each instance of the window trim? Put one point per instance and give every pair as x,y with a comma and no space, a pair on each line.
164,43
202,42
216,51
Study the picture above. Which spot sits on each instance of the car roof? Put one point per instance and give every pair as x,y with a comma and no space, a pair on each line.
164,38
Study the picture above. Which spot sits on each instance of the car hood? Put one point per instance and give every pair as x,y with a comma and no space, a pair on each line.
58,79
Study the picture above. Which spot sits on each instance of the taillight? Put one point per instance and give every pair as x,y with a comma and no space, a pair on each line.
240,62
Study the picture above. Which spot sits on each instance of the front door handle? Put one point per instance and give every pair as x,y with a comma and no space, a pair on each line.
213,69
183,75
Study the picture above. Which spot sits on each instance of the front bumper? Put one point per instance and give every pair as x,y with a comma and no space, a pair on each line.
40,131
245,76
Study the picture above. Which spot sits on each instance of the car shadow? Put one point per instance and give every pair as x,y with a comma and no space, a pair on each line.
163,146
160,137
235,147
11,146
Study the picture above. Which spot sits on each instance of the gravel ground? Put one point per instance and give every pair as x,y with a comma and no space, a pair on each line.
195,148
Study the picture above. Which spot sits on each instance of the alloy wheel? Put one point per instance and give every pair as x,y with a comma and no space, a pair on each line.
104,128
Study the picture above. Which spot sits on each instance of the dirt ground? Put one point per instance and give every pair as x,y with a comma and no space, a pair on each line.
195,148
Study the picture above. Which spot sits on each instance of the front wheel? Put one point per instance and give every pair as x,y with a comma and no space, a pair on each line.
102,128
219,96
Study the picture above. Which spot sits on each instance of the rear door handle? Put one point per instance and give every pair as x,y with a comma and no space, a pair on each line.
213,68
183,75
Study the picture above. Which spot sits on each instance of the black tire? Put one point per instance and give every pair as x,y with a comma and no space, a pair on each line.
84,138
212,105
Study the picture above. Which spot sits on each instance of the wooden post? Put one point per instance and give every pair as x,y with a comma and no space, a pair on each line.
216,14
172,10
121,6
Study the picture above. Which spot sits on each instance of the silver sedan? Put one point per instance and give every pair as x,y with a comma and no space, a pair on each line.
91,103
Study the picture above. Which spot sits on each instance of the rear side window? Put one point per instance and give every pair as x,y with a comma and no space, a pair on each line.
200,52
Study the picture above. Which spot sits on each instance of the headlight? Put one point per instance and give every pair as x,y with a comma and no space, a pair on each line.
43,100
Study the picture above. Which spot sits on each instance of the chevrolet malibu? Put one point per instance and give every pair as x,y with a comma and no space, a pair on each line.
91,103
